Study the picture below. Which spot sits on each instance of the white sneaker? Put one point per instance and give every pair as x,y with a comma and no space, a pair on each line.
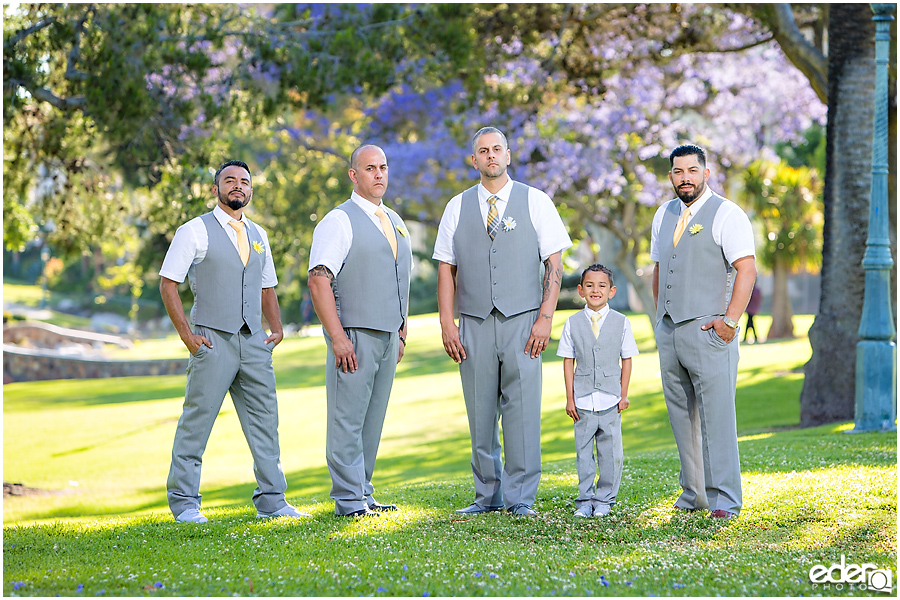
583,511
286,511
601,510
191,515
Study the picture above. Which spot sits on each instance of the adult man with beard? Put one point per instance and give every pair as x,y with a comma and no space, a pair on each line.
705,270
491,243
232,276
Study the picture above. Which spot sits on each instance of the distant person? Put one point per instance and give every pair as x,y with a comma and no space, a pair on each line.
359,270
491,243
705,268
229,263
752,310
306,314
596,346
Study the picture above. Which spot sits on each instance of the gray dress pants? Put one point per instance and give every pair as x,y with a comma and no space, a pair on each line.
502,384
357,403
241,364
600,430
699,377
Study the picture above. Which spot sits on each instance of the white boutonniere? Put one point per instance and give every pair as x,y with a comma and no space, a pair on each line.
508,223
257,247
401,231
695,229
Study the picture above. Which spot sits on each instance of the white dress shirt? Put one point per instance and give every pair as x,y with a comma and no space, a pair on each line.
191,242
730,218
333,236
598,400
551,232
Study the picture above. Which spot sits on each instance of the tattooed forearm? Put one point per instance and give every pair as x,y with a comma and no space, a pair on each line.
552,279
321,271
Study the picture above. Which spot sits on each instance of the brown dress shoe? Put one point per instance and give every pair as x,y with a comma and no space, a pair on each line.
722,514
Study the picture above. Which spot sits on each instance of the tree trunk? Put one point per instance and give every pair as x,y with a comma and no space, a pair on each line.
782,313
829,386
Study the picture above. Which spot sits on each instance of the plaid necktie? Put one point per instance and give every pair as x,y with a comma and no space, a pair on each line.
493,220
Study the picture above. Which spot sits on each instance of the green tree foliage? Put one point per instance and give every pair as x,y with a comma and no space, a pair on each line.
786,203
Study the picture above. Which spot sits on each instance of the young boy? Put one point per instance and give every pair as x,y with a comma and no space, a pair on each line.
593,340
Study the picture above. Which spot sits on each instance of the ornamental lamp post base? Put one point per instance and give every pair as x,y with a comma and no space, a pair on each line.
875,373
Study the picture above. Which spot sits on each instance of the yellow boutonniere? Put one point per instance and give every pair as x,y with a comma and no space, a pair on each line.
401,231
258,247
695,229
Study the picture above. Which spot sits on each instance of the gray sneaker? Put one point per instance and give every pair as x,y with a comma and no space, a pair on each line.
191,515
584,511
286,511
601,510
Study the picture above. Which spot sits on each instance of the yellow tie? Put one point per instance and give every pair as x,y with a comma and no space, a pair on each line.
388,228
243,244
595,324
682,223
493,220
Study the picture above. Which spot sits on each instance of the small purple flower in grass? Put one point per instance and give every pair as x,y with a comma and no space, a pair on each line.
80,588
425,595
677,585
405,568
627,583
380,589
17,585
477,573
403,578
494,576
159,584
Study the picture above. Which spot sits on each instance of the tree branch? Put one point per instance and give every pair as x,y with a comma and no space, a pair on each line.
800,52
24,33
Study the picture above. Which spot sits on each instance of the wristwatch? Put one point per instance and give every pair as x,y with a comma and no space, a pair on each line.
730,322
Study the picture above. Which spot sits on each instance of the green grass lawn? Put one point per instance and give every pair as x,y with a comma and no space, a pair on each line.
101,449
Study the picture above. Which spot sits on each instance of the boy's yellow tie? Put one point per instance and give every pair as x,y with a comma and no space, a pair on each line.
388,228
243,244
595,324
682,223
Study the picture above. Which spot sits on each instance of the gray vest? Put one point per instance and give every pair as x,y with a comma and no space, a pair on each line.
694,278
597,360
372,289
226,293
504,272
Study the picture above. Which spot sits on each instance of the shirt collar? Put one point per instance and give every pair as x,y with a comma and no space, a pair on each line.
503,194
364,204
602,312
224,218
698,204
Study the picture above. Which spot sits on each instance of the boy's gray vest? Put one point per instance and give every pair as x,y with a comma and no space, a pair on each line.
597,360
226,293
504,272
372,288
694,278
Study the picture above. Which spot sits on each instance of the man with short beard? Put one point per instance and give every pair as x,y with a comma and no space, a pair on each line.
705,270
491,243
232,276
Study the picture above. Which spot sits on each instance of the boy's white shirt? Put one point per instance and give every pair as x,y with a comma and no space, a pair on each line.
598,400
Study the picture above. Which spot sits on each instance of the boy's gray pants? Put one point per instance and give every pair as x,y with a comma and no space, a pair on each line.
601,432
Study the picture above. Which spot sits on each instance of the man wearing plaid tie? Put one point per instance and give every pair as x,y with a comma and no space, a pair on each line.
491,244
704,273
232,275
359,269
